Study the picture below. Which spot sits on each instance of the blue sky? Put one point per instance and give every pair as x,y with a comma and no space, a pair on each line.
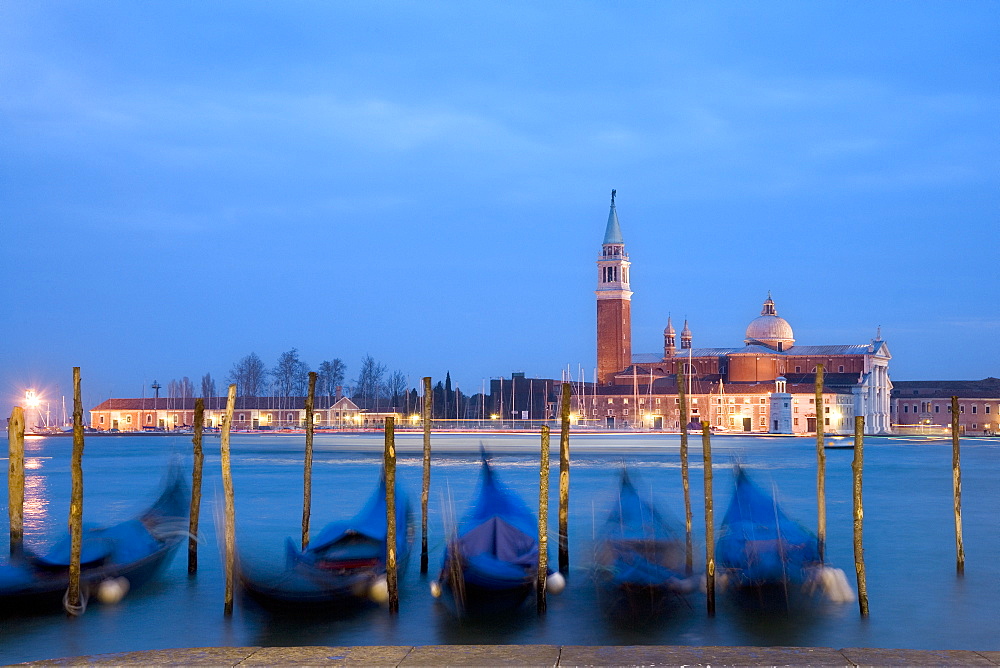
427,182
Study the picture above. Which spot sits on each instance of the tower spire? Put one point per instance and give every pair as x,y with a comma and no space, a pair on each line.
669,339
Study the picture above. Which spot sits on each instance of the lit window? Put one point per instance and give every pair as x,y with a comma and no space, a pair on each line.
795,421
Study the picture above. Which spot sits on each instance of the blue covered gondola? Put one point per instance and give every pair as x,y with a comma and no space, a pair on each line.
639,560
343,566
759,547
491,565
113,559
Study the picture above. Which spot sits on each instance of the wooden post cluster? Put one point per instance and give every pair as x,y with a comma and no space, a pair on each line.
956,482
308,464
706,446
74,602
564,483
15,480
543,522
685,479
425,488
391,569
820,467
230,502
859,514
196,471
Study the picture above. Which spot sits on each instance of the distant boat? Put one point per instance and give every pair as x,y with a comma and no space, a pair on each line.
342,567
114,559
640,556
491,565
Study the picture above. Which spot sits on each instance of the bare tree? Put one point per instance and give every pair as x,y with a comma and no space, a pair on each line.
291,375
396,388
207,386
248,375
180,389
331,376
368,386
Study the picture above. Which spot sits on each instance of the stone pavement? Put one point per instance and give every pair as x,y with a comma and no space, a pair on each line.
534,655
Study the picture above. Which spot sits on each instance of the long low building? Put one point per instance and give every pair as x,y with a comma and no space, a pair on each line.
251,413
924,406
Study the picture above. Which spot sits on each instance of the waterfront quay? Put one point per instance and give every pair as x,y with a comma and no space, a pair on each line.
534,655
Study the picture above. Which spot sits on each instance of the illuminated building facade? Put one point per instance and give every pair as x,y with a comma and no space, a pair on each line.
251,413
924,406
765,385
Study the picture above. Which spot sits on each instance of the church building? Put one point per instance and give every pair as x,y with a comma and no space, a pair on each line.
766,385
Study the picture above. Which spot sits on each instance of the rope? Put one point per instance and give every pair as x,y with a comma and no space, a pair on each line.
75,610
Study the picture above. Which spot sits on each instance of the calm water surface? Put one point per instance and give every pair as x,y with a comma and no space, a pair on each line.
916,599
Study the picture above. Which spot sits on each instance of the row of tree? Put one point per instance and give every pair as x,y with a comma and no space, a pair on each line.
374,388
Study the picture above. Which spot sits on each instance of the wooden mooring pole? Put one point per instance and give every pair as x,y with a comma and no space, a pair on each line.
956,482
74,602
15,480
543,522
685,475
820,467
859,514
706,447
391,569
307,468
230,502
425,488
564,482
199,462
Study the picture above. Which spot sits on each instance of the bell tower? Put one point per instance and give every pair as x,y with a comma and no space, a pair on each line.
614,305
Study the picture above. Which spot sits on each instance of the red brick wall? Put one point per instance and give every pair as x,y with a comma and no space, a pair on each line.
614,337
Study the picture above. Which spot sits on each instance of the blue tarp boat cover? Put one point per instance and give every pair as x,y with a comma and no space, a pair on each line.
758,543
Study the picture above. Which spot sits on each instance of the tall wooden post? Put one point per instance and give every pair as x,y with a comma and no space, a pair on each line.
199,461
425,488
391,575
543,522
15,480
956,481
564,482
74,603
685,479
820,467
859,514
706,447
230,502
307,468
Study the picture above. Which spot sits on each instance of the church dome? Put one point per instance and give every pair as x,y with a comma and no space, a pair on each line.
770,329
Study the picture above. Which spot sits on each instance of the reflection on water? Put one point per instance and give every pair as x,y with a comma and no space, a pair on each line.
36,497
916,600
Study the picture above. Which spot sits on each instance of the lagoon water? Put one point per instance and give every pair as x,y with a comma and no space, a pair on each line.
916,599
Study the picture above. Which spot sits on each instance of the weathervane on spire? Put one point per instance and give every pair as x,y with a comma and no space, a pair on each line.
613,191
